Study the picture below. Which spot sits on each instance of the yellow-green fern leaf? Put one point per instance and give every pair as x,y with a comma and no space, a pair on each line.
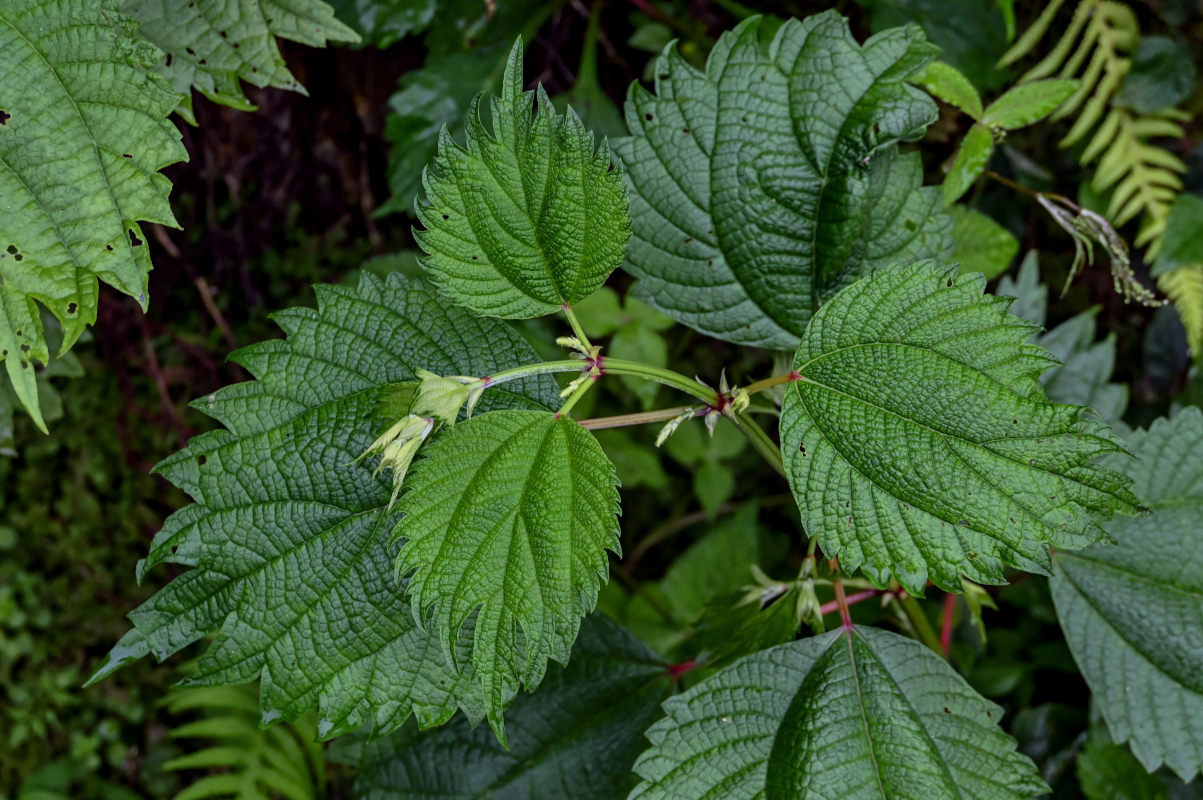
1184,287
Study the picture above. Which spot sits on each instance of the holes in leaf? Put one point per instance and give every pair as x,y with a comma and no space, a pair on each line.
72,307
170,58
648,116
134,241
190,51
24,364
200,460
11,249
948,282
108,247
224,35
25,347
4,117
126,155
446,216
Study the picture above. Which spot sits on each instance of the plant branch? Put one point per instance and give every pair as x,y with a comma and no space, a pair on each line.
918,619
950,607
640,418
841,603
575,323
768,383
761,441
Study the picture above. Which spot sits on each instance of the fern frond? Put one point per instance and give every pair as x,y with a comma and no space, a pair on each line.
1143,177
244,761
1184,287
1095,48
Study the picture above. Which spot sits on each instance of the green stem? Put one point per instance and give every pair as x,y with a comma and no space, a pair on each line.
576,395
914,613
546,368
761,442
768,383
641,418
577,330
618,366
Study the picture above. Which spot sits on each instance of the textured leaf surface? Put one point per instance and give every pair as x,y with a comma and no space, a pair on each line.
507,521
577,736
950,85
83,134
212,45
527,216
770,181
853,714
289,536
920,446
1133,611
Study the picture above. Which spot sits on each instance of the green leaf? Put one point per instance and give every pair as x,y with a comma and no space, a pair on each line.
950,85
1162,76
640,343
289,532
970,161
1182,246
1108,771
528,216
1132,612
457,68
855,713
767,183
577,736
212,45
979,243
507,521
920,446
720,562
383,23
636,462
969,33
82,140
258,763
1084,379
1029,102
1031,296
713,485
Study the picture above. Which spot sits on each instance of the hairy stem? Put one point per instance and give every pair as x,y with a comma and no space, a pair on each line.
641,418
619,366
575,323
768,383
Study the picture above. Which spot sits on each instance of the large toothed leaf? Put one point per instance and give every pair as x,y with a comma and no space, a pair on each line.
507,521
1133,611
83,135
289,535
765,184
524,217
852,714
576,737
213,45
919,442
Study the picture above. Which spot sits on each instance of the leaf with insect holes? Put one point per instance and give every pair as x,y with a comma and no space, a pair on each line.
919,443
288,537
766,183
524,217
506,523
1132,611
855,713
83,135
